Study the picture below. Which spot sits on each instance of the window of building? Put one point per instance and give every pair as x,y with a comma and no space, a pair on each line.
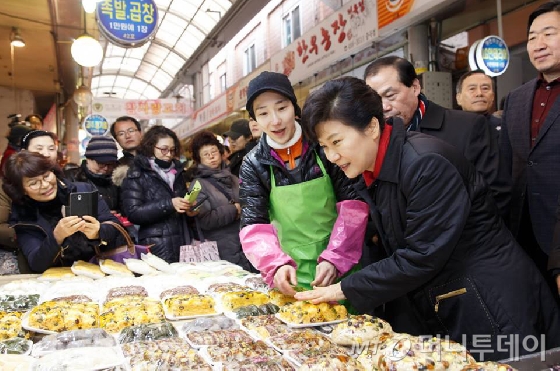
211,86
291,27
250,60
223,83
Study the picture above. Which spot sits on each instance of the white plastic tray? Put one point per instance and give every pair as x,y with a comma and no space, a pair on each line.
26,326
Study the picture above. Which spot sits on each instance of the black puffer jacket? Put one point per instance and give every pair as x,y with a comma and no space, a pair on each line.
104,184
147,203
254,177
449,252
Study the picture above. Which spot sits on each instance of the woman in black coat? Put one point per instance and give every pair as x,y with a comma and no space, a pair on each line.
153,192
450,255
47,237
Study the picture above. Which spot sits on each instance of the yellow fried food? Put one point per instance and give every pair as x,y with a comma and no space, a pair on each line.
302,312
63,316
237,299
276,297
10,325
130,311
189,305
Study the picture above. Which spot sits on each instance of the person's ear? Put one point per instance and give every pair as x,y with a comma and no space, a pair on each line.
372,130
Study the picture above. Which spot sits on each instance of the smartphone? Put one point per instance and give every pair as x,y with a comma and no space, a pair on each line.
83,203
193,194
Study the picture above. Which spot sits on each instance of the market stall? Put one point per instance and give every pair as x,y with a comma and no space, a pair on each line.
202,316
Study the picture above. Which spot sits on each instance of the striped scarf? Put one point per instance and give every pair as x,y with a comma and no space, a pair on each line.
419,114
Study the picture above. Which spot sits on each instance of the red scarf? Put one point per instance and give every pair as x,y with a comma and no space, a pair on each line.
370,177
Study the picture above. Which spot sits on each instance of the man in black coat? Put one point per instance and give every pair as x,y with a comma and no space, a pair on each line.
397,83
239,135
128,133
476,93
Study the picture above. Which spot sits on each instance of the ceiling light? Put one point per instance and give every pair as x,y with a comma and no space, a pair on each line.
83,96
16,39
89,5
87,51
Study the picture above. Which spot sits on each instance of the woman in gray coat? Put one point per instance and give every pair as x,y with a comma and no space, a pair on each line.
219,207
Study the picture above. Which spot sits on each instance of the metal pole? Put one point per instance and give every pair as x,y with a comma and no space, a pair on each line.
499,12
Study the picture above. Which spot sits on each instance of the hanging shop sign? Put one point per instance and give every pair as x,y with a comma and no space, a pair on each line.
490,55
96,125
211,112
128,23
348,30
142,109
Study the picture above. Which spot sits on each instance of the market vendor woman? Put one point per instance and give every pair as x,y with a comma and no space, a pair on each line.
300,224
450,256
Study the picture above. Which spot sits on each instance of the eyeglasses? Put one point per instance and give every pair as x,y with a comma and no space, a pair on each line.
130,131
36,184
165,151
109,165
210,154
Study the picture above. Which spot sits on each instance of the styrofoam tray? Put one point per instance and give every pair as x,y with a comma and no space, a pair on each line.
25,325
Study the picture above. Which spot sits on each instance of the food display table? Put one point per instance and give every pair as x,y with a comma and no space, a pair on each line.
204,316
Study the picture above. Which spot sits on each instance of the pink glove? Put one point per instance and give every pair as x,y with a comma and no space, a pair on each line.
347,237
262,248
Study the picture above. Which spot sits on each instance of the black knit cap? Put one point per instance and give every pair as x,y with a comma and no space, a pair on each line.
102,149
270,81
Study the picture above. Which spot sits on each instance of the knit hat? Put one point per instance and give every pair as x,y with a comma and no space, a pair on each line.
238,128
102,149
17,132
270,81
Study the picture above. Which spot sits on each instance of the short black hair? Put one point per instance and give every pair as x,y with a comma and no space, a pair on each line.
551,6
346,99
124,118
153,135
201,139
36,134
470,73
405,69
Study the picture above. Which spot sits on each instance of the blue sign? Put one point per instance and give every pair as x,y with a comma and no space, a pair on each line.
96,125
128,23
492,55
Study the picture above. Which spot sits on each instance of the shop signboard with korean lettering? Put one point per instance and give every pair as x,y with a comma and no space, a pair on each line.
240,94
206,115
350,28
142,109
96,125
128,23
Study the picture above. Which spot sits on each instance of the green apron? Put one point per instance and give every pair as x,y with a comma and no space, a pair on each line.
304,215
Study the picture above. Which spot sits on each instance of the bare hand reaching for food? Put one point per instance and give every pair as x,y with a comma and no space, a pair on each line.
284,279
325,274
322,294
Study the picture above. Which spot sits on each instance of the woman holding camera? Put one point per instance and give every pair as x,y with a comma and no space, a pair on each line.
45,235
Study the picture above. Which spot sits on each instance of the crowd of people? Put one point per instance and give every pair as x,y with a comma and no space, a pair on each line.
444,222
